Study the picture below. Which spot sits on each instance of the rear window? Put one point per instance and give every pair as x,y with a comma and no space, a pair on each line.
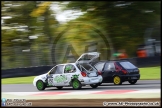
127,65
86,67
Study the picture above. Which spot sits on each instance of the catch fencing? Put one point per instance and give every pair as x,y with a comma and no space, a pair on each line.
37,70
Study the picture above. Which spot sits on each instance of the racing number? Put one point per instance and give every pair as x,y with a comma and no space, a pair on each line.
50,81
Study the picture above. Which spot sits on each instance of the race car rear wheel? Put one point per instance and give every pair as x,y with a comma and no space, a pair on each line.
99,83
117,80
60,87
132,81
94,85
76,84
40,85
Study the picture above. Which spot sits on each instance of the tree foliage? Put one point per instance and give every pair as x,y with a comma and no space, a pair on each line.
18,29
124,21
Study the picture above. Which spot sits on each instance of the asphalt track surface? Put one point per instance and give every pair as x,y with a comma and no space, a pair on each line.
141,84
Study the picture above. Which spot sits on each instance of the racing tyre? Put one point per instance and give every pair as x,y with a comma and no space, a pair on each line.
76,84
40,85
100,83
94,85
117,80
132,81
59,87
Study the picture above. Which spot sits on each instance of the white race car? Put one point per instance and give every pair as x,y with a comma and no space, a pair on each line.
76,74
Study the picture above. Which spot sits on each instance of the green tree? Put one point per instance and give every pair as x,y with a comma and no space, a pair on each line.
49,23
22,24
21,21
124,21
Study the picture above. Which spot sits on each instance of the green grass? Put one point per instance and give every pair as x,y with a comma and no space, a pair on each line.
18,80
149,73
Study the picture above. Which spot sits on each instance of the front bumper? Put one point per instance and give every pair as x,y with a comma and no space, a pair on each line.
35,80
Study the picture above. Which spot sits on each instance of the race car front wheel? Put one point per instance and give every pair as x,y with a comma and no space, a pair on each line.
40,85
76,84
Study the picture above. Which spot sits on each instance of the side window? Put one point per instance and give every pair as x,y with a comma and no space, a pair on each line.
109,66
59,69
99,66
69,68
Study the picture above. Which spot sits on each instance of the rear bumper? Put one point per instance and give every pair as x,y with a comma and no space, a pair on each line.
130,77
92,80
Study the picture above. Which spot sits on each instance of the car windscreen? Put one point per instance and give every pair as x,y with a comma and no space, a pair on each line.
127,65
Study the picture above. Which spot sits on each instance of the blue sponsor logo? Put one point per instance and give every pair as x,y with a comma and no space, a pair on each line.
3,101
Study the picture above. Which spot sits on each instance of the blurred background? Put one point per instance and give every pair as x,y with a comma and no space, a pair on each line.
30,29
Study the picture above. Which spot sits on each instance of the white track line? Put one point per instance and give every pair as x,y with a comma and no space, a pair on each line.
22,93
147,91
81,92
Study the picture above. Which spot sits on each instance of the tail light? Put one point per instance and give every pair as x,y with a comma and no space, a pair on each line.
83,74
124,71
99,73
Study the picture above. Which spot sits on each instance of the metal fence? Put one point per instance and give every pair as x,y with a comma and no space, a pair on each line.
18,56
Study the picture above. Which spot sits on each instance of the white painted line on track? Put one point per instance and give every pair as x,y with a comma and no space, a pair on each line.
21,93
82,92
147,91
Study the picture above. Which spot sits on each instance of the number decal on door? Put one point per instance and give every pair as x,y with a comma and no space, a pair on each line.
50,81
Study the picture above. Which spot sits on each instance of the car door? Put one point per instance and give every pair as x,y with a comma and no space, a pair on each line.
50,76
69,72
58,78
109,71
99,66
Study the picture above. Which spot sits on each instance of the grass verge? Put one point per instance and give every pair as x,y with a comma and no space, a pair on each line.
150,73
18,80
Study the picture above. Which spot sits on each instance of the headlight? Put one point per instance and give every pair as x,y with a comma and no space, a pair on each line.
35,78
